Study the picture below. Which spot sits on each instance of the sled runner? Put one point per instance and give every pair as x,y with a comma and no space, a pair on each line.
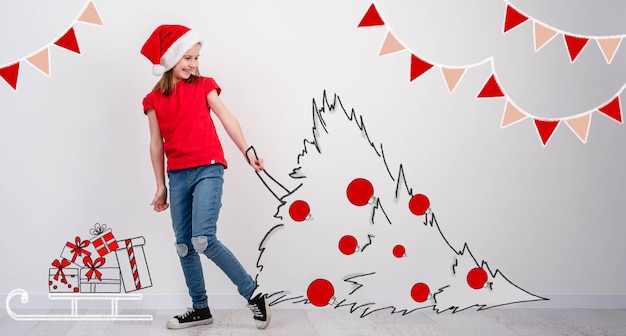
74,314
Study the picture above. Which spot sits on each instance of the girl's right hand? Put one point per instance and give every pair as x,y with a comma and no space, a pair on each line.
160,200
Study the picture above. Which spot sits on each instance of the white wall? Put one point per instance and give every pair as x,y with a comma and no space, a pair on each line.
75,144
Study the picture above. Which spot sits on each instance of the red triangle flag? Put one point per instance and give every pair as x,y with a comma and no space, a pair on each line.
371,18
575,45
513,18
68,41
491,89
546,129
10,73
613,109
418,67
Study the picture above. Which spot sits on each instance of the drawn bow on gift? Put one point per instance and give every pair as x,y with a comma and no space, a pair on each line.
60,265
78,249
93,267
98,229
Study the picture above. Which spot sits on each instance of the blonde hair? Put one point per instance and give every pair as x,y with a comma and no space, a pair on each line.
167,85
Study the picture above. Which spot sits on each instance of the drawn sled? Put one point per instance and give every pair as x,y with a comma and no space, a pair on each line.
74,314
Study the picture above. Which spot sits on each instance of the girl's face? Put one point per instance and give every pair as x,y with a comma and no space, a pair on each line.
188,64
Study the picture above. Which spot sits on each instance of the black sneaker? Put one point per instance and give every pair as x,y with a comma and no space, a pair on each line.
261,311
192,317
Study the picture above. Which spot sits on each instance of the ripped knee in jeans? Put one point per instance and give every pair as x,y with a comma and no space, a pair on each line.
182,250
200,243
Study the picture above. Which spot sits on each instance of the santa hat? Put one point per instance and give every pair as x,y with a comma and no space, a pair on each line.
167,44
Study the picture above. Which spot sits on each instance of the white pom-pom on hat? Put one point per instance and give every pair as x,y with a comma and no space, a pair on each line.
166,45
158,69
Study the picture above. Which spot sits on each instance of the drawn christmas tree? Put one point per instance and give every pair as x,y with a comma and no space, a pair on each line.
352,233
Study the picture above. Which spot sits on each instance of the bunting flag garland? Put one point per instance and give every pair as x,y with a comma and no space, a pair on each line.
418,66
579,124
41,58
574,44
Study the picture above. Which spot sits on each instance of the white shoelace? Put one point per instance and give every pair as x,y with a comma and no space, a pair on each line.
256,310
189,312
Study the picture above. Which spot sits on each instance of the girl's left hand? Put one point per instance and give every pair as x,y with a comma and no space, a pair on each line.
160,200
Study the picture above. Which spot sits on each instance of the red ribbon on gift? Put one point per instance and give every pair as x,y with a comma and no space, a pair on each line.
79,248
60,265
93,267
105,244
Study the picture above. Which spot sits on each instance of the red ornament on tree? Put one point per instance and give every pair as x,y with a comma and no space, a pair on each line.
299,210
420,292
476,278
348,244
399,251
320,292
360,191
419,204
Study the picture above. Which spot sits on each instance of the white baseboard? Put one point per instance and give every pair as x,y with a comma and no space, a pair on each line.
576,301
234,301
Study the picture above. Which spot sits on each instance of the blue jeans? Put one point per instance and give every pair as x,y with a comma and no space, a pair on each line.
195,201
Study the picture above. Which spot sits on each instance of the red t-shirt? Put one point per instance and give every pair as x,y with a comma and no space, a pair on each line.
189,136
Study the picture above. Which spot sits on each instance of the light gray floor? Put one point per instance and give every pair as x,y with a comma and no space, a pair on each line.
296,322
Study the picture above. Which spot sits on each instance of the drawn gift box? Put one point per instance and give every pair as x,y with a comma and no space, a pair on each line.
133,265
76,251
61,278
97,279
104,241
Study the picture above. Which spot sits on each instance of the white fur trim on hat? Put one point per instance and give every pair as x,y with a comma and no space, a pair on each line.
176,51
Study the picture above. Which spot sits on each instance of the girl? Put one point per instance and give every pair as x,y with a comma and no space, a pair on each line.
181,128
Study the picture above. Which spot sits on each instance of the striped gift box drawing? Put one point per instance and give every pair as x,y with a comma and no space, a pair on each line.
133,265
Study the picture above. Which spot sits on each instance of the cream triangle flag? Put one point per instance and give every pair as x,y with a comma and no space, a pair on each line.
90,15
511,115
609,46
390,45
543,35
452,76
580,126
41,61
